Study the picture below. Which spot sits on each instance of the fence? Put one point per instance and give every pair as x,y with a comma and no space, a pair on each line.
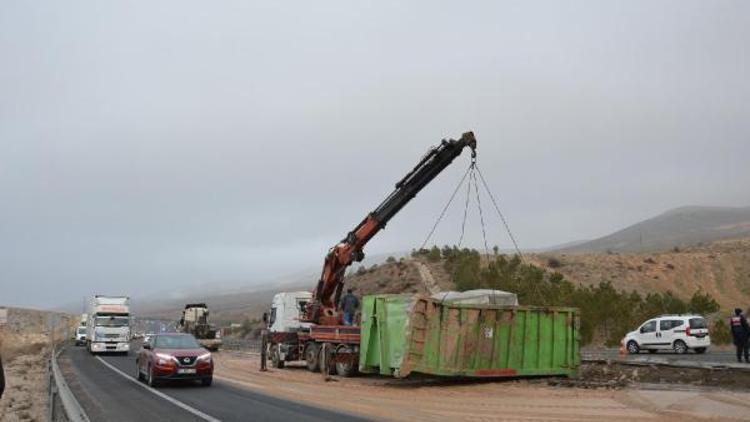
240,345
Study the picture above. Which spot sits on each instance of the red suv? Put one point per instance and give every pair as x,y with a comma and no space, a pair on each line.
174,356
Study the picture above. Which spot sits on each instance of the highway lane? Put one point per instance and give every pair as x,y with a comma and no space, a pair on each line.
109,396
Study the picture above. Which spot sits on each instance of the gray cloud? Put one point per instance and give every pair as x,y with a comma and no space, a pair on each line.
149,146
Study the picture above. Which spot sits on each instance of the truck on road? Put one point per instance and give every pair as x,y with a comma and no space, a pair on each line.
108,326
195,321
320,325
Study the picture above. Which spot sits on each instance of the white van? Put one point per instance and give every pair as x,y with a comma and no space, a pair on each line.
679,333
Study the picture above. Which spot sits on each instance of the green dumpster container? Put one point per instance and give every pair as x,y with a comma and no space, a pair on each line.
402,334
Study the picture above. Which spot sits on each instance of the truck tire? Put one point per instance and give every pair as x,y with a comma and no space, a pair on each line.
345,368
312,357
331,369
276,358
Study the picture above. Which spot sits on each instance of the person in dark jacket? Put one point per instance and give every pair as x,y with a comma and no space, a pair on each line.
740,334
349,304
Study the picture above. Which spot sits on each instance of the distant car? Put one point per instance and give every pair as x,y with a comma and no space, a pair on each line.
81,336
679,333
174,356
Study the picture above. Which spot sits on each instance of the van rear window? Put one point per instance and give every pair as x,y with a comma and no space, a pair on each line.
697,323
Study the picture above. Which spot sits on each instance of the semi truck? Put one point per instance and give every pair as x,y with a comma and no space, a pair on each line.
195,321
108,326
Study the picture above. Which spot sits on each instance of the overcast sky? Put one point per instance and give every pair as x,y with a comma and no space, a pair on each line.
156,145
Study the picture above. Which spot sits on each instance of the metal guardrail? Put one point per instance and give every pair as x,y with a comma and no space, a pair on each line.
63,405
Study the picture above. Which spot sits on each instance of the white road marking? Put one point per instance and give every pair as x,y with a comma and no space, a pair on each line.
172,400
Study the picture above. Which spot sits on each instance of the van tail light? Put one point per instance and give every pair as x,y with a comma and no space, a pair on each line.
687,331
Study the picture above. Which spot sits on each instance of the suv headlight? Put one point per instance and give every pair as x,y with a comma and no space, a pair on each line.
206,357
164,359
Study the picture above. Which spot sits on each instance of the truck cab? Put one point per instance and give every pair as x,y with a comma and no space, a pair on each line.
286,311
284,322
108,326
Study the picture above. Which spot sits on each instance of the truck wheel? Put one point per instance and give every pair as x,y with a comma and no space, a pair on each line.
680,347
348,367
276,358
312,357
328,363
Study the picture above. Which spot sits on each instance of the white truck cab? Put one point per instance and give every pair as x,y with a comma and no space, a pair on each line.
679,333
108,325
286,310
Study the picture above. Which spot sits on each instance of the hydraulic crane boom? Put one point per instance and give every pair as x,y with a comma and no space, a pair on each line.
322,308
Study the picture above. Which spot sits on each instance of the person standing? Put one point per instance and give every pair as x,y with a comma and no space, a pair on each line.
349,304
740,334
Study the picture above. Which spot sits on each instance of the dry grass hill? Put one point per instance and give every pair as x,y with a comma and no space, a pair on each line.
721,268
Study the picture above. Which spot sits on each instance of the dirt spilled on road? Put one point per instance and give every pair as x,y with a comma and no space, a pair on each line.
619,375
440,399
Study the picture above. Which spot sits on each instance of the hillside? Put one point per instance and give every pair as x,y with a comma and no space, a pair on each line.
721,269
681,227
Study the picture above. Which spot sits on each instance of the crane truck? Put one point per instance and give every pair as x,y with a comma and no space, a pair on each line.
302,324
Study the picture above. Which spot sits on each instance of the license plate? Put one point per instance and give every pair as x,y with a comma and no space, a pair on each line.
185,371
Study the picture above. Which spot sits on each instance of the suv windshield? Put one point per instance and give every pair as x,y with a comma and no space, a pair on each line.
697,323
112,321
175,342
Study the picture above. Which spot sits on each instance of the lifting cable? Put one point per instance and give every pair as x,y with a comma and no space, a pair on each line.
445,208
471,174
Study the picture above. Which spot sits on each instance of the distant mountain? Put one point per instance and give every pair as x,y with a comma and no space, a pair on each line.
685,226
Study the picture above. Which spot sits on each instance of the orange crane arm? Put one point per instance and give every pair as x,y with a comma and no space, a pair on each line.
322,308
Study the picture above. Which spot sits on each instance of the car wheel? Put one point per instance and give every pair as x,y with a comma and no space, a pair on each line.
680,347
206,382
700,350
312,358
633,348
276,358
151,381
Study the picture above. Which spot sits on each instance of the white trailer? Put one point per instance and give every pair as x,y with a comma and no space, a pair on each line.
108,326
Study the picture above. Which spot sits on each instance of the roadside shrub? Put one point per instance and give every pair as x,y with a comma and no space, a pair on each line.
390,260
554,262
720,333
434,254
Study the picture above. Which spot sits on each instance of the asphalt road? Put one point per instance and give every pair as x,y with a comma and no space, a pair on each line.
109,395
711,356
